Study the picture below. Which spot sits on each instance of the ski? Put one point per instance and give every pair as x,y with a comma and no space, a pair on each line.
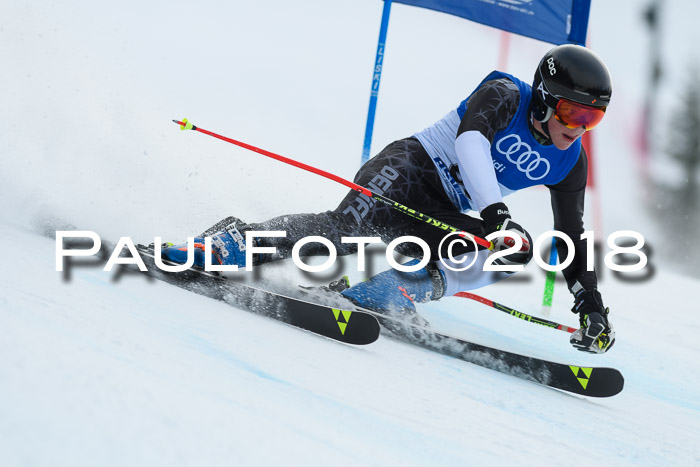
577,379
339,323
348,326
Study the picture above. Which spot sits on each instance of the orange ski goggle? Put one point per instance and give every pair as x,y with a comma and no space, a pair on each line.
573,115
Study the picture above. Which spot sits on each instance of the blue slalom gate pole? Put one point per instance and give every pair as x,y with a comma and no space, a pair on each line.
376,77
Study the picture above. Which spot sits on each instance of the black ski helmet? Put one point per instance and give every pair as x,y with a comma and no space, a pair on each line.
571,72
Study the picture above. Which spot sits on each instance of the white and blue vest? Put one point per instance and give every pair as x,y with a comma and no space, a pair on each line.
518,159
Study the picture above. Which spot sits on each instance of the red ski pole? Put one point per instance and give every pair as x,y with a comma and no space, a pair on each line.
515,313
185,125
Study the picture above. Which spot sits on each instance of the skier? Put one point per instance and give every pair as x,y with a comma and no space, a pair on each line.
505,136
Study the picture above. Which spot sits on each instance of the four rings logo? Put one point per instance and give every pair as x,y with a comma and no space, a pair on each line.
529,162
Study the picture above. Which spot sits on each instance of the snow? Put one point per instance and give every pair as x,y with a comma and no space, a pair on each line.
97,368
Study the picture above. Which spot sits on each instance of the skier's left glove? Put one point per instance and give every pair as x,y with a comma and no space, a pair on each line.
596,334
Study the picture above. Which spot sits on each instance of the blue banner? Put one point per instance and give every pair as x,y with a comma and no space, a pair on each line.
553,21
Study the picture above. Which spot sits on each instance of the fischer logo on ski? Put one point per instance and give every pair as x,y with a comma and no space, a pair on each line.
345,315
586,373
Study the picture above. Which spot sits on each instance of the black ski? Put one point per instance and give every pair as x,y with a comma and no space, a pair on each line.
578,379
348,326
586,381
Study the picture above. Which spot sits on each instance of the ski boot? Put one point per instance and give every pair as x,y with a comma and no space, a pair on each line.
394,295
228,246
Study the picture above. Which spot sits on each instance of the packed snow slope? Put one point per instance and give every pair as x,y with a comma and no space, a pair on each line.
105,369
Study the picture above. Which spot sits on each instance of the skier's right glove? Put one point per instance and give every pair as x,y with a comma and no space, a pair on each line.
596,334
497,218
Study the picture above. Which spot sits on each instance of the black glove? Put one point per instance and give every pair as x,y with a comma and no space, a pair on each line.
596,334
497,218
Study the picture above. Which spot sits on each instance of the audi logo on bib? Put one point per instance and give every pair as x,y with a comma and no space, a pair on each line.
527,161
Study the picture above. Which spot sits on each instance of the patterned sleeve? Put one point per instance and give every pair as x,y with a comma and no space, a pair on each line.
568,197
491,108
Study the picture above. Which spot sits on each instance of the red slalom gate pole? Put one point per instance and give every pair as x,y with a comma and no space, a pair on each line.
185,125
515,313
